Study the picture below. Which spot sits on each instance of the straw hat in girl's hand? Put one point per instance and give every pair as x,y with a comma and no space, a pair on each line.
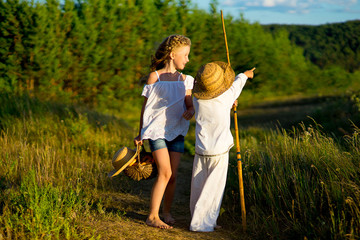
213,79
123,158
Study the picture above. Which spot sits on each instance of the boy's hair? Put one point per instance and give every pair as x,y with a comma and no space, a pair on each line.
165,48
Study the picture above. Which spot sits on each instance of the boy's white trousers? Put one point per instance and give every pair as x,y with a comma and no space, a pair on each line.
207,190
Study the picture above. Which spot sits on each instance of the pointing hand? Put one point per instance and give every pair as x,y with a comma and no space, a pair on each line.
250,73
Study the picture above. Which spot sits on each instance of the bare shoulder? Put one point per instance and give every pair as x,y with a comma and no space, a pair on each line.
183,76
152,78
187,77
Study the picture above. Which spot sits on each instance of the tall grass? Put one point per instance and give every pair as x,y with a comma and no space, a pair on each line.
54,160
36,211
299,184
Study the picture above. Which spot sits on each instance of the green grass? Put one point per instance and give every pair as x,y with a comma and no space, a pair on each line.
55,158
299,184
34,210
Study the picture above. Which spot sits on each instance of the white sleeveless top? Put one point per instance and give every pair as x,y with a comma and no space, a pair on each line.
164,109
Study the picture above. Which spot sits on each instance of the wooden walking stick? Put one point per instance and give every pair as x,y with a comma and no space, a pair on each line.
239,167
226,45
238,155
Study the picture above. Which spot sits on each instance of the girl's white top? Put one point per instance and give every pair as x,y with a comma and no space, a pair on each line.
212,131
164,109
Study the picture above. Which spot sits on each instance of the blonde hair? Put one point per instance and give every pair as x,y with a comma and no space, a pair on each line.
165,48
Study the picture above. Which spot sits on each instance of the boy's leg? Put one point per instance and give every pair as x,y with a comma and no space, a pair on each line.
199,175
207,207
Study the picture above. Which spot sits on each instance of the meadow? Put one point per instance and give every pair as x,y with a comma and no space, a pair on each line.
300,182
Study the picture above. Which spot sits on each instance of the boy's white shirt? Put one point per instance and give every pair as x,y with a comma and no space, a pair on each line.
212,132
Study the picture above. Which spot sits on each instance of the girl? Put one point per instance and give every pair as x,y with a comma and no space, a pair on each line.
164,121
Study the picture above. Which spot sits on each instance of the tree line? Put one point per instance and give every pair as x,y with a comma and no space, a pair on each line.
97,51
327,45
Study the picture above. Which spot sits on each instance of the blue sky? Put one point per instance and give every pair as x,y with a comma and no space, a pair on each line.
313,12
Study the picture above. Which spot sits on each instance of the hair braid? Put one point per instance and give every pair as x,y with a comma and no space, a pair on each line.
168,45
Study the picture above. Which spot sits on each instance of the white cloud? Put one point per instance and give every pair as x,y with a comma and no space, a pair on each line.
287,3
268,3
229,2
339,2
292,11
273,3
290,6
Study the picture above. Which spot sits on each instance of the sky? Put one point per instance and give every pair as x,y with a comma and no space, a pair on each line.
309,12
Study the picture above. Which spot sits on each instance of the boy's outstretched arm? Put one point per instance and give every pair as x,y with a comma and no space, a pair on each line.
250,73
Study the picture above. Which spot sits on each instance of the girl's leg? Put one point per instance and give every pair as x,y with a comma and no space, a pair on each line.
170,189
162,159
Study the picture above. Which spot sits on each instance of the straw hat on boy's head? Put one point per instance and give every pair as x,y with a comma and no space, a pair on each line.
122,159
213,79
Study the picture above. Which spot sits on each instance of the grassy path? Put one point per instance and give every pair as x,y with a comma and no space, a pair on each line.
129,210
126,212
281,114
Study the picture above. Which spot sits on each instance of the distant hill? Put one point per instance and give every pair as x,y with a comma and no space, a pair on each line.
326,45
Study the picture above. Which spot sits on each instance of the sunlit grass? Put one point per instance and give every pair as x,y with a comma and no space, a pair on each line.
299,183
52,163
55,158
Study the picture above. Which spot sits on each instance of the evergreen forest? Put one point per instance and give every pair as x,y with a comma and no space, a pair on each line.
96,52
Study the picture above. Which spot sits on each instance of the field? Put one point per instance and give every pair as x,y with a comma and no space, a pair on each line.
301,179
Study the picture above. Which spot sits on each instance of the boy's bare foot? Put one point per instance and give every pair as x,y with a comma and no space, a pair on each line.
217,227
157,223
168,218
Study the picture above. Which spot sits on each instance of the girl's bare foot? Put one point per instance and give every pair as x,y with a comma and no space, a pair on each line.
168,218
157,223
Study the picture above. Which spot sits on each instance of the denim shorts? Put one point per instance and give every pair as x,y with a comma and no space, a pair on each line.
176,145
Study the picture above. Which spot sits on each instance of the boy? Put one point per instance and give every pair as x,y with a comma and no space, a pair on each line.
215,91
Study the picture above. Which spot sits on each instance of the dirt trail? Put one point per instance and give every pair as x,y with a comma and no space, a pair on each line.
127,212
283,115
